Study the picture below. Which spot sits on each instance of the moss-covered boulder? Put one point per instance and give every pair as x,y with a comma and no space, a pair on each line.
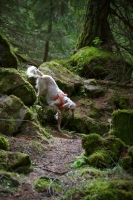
4,144
119,101
102,189
65,79
34,130
13,160
13,114
11,82
79,123
43,184
91,62
92,90
122,125
8,183
7,57
104,152
85,124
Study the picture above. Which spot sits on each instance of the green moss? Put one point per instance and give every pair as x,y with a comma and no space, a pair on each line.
119,101
99,159
130,151
91,172
35,129
102,152
16,85
126,162
115,147
91,62
91,143
122,125
12,160
13,112
47,185
3,160
7,125
86,125
102,189
67,80
4,144
94,112
17,159
7,181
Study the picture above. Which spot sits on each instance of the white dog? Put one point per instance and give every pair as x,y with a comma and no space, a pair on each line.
55,97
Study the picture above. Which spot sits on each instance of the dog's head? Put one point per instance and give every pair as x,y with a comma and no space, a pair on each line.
72,109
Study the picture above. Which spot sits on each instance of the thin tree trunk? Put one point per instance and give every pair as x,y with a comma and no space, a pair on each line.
46,50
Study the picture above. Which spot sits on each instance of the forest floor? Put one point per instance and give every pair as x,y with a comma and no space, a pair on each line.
52,159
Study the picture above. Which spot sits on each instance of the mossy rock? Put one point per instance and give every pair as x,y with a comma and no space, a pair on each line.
115,147
43,184
102,189
13,114
12,160
91,143
99,159
65,79
7,57
11,82
91,172
93,90
4,144
78,123
8,182
126,162
119,101
91,62
130,151
85,124
122,125
34,130
109,189
105,152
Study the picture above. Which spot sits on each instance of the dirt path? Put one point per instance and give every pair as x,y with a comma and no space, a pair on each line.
51,160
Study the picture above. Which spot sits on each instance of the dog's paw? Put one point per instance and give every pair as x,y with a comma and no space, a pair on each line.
56,116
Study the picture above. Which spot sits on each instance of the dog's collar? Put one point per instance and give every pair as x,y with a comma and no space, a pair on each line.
61,100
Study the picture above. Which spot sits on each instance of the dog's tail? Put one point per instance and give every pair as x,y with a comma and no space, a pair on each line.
32,71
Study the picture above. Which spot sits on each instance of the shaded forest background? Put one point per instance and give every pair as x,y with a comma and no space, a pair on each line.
46,30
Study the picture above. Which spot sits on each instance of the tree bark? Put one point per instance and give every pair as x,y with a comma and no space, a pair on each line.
96,25
46,51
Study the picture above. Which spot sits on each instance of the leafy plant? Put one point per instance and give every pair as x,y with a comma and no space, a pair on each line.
97,41
81,160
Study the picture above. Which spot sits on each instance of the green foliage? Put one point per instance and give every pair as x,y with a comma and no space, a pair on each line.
4,144
50,186
30,35
97,41
81,160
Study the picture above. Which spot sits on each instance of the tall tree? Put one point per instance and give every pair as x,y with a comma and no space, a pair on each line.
96,24
110,21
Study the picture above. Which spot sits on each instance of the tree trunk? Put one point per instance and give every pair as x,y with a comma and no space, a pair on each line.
96,25
46,51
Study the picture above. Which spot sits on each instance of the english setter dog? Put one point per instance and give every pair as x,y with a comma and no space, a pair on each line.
55,97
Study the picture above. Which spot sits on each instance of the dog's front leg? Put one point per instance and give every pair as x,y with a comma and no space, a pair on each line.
59,120
59,115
